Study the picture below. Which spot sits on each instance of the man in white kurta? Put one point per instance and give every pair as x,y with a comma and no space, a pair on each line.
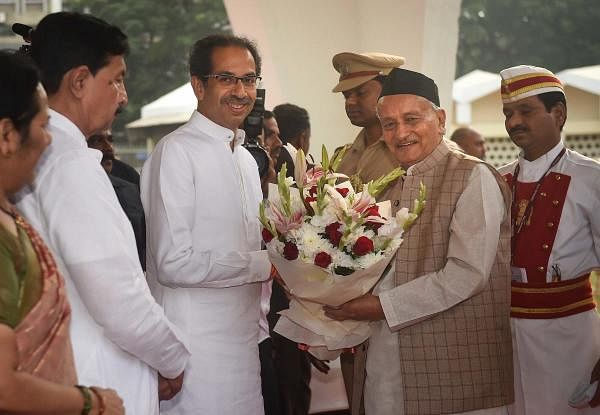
201,191
120,335
556,330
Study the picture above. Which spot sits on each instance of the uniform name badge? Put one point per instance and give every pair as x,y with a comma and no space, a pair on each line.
519,274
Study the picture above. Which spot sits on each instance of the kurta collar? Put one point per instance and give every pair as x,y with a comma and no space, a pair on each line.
292,150
430,161
212,129
71,130
533,170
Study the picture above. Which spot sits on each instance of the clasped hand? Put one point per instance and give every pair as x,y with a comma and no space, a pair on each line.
168,388
364,308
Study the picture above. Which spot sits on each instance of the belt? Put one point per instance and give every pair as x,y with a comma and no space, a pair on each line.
551,300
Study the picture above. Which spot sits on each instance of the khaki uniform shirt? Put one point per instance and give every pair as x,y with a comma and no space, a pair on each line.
369,162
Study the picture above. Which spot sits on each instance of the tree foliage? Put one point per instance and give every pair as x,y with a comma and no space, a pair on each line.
556,34
160,36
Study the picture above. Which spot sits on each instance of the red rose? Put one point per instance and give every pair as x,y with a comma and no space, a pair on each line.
290,251
332,227
372,211
267,235
362,246
342,190
333,233
322,259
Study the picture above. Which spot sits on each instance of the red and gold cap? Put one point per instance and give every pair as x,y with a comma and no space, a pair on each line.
525,81
357,68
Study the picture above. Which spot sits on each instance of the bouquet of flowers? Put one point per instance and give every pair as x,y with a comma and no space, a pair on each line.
330,243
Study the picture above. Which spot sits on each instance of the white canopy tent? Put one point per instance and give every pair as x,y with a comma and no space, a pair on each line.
174,107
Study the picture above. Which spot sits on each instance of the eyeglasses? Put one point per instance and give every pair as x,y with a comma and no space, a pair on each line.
229,80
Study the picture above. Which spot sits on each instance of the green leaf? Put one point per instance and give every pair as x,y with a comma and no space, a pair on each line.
324,159
284,191
338,156
378,185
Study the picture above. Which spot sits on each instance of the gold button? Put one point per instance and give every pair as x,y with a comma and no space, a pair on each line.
557,177
555,202
550,224
540,269
545,246
544,194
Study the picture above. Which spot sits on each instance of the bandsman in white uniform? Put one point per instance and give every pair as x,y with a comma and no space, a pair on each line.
556,243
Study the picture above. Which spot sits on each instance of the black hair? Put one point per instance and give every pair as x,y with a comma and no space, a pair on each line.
200,61
65,40
292,121
550,99
19,101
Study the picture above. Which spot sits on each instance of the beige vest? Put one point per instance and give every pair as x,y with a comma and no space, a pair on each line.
461,359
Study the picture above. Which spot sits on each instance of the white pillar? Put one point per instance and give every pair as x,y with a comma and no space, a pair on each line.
55,6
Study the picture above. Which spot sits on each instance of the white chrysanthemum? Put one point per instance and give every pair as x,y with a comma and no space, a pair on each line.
369,259
341,259
325,218
277,245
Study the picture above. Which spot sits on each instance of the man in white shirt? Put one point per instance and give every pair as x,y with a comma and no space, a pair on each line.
556,243
441,334
201,192
120,336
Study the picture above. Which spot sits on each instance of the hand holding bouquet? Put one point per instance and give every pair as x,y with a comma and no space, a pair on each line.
330,243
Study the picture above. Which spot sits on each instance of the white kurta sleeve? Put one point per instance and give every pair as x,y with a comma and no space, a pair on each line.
474,236
170,201
90,233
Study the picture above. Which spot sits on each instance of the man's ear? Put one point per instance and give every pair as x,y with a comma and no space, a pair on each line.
76,80
198,87
441,116
560,114
9,138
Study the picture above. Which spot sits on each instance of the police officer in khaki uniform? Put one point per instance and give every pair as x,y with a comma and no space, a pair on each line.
361,75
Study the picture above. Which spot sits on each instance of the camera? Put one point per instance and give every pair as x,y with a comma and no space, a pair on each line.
253,126
25,32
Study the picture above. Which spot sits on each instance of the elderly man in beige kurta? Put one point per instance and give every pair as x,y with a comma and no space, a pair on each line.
441,334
